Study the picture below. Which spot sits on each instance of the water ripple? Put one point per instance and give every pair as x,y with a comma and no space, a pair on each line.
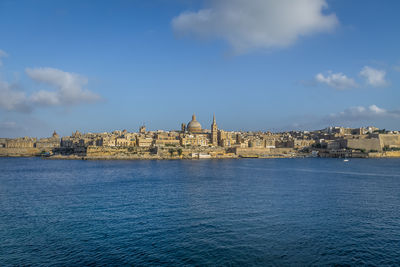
227,212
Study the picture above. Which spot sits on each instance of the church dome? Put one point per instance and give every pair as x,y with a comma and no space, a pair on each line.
194,126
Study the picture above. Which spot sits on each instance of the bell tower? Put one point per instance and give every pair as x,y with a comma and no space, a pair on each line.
214,132
142,129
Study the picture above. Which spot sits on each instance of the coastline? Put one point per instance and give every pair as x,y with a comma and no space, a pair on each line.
155,157
177,153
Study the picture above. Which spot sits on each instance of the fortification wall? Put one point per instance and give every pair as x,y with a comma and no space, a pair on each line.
365,144
20,152
114,151
173,152
386,154
214,152
255,151
389,140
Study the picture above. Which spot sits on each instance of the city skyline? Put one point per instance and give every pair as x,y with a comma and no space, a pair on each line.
97,67
206,128
183,126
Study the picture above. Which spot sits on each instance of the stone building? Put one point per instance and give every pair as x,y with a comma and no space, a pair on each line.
194,126
125,142
144,141
106,141
3,142
226,139
194,140
166,139
214,132
25,142
51,142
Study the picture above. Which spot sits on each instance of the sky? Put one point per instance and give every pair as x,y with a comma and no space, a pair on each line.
258,65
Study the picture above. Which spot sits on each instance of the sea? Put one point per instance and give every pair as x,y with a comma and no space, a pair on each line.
238,212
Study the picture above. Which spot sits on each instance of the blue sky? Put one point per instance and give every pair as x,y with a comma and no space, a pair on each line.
263,65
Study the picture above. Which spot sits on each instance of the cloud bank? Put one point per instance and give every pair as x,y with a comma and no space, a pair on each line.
362,115
355,116
373,77
257,24
66,89
11,99
359,113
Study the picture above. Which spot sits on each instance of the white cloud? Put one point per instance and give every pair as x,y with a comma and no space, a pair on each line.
256,24
336,80
360,113
13,100
68,90
356,116
69,87
2,54
376,110
46,98
374,77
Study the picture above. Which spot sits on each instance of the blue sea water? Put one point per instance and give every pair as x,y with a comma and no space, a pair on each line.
205,212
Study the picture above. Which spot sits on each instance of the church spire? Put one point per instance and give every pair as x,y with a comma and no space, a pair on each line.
214,123
214,132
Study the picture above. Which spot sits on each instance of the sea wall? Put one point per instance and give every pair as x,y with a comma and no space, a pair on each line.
21,152
96,152
263,152
389,140
386,154
168,152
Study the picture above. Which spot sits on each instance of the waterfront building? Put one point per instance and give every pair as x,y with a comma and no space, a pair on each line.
192,138
25,142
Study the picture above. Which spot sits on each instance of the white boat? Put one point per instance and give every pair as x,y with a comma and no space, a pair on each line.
345,160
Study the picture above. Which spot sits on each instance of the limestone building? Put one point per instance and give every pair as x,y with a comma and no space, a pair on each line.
51,142
194,126
194,135
214,132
